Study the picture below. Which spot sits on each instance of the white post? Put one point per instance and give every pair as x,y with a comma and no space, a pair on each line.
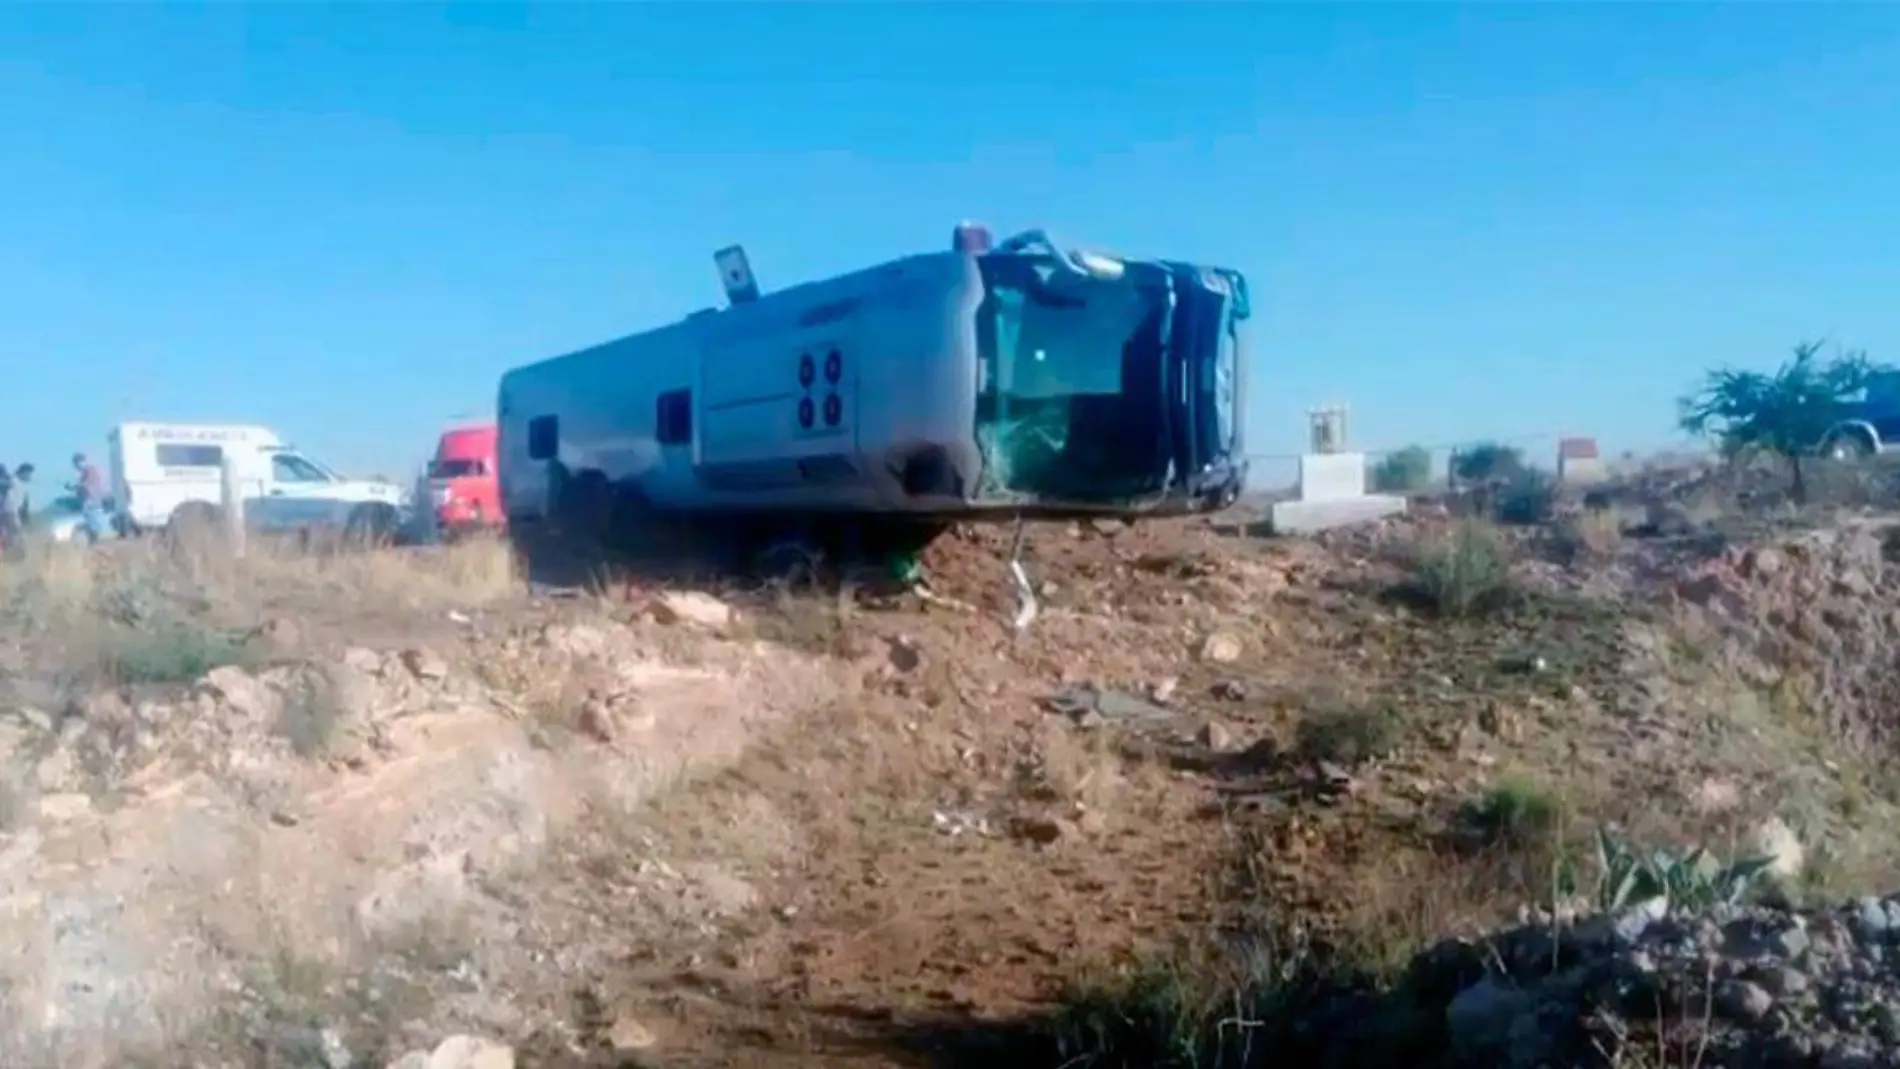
233,510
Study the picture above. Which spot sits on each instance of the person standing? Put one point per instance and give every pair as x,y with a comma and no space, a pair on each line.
23,479
89,486
12,537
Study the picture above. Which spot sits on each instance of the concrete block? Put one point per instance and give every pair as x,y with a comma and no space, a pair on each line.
1579,462
1581,471
1332,476
1306,517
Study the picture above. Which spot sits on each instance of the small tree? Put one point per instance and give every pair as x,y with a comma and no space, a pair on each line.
1487,462
1786,413
1404,471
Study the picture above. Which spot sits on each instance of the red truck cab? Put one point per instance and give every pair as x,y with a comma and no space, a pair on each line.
463,488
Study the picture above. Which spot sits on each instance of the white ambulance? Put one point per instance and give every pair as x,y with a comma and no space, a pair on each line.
163,473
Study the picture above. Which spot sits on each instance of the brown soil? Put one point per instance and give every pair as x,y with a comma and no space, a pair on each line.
955,852
859,829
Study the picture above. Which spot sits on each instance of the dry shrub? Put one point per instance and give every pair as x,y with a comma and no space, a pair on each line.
1085,767
1464,573
1349,736
314,716
806,617
1529,497
16,803
172,651
1593,534
90,614
1515,814
52,583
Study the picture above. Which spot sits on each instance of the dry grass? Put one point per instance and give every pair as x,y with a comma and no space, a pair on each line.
1465,573
838,822
51,583
313,718
1590,535
1348,736
152,612
320,845
1517,814
804,617
1290,983
466,574
1082,767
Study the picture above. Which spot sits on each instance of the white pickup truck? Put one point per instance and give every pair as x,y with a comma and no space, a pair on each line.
166,473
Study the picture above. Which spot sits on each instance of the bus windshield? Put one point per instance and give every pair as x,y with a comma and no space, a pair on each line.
1069,394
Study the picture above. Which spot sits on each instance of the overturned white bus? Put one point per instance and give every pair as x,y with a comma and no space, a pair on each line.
1006,380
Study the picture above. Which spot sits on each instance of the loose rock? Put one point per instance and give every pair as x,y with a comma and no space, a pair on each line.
691,607
1220,648
903,654
425,664
1744,1000
1229,690
67,806
277,635
628,1036
460,1052
1217,736
1040,830
241,692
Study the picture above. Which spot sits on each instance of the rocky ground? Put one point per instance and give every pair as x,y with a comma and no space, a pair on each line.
1227,796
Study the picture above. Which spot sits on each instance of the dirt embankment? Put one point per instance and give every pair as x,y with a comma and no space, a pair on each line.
344,852
802,827
1354,771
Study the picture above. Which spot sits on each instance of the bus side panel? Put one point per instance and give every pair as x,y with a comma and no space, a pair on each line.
523,483
601,402
760,381
903,382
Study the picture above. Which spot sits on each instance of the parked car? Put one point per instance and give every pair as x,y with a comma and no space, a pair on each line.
59,520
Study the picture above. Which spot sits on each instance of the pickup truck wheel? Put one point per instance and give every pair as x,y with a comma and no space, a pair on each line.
371,526
1849,445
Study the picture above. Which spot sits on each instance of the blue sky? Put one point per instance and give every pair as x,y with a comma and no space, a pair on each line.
347,221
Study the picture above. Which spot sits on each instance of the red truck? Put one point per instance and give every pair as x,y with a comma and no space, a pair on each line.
463,488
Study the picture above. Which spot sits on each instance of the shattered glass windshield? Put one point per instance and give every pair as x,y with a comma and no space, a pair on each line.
1069,396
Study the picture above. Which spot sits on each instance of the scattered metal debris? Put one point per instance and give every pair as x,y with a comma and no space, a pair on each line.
955,824
1026,604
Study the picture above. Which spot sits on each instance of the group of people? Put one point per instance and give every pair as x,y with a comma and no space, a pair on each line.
16,509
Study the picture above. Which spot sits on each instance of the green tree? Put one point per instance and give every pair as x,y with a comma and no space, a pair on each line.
1786,413
1487,462
1403,471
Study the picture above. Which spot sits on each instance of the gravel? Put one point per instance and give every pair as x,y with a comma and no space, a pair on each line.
1739,987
